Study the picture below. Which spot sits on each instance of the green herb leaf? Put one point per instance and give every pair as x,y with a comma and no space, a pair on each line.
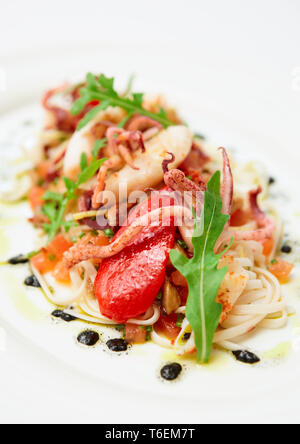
56,204
138,98
202,273
93,113
89,172
49,195
80,103
99,144
109,232
83,162
70,224
102,89
108,84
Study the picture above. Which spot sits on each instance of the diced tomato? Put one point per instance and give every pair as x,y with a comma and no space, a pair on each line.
59,246
42,169
268,245
166,325
178,279
128,283
43,262
102,240
135,334
49,257
36,197
281,269
183,293
61,273
240,217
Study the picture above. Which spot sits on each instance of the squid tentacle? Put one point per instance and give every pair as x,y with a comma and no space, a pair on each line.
84,250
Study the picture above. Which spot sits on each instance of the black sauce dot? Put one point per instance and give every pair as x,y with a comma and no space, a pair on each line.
286,249
246,357
171,371
32,281
18,260
117,345
271,180
62,315
88,338
57,313
67,317
186,336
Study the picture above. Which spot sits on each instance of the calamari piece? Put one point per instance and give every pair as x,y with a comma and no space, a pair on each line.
232,287
83,141
227,184
176,140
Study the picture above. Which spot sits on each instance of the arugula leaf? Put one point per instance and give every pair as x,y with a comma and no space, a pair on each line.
93,113
102,89
89,172
83,162
138,99
202,273
56,204
99,144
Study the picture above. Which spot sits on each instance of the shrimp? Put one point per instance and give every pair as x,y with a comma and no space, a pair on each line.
176,140
83,140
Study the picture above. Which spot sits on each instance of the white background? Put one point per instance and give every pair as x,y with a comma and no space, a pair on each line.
250,49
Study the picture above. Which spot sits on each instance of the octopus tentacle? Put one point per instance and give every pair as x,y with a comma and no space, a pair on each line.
143,123
167,162
177,181
84,250
266,225
114,162
119,150
126,156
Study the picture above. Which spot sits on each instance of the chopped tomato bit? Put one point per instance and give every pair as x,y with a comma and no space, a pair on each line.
281,269
42,169
36,197
183,293
49,257
178,279
42,262
167,325
135,334
268,245
59,246
240,217
61,273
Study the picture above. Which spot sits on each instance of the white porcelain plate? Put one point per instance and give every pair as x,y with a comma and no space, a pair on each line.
224,381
